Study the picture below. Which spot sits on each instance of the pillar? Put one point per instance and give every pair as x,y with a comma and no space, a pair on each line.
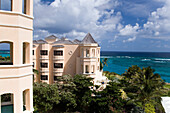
18,102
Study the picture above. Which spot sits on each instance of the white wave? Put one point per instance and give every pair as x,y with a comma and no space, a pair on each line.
127,57
106,56
160,59
146,60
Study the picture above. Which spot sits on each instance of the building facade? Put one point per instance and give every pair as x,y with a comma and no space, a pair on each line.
16,80
54,57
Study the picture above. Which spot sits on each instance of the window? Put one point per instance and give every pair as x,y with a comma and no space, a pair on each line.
26,53
87,53
33,64
58,53
44,77
93,52
44,65
6,55
44,52
57,78
87,69
32,52
58,65
93,68
7,99
6,5
82,54
24,4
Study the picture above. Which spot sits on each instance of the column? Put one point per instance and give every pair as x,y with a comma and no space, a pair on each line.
31,99
18,102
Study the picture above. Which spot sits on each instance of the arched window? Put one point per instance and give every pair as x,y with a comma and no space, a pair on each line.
6,53
26,100
6,103
6,5
26,53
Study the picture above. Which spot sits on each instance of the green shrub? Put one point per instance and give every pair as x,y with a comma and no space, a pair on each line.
149,108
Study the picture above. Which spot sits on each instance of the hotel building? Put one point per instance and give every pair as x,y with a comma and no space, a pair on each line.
54,57
16,80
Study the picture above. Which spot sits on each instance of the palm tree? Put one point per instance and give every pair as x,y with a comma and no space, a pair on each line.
103,63
143,86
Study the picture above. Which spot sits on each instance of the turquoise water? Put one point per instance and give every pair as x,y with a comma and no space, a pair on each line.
4,53
120,61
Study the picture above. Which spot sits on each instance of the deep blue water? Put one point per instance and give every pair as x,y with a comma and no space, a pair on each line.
120,61
4,53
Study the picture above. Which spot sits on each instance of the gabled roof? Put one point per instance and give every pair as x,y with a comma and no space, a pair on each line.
63,42
39,41
59,46
88,39
76,41
51,37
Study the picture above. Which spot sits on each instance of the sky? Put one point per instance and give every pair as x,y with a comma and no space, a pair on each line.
117,25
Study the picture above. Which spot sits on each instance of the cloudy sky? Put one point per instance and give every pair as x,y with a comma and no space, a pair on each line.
117,25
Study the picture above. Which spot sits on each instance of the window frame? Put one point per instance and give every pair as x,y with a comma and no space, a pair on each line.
59,67
42,51
42,65
55,51
46,77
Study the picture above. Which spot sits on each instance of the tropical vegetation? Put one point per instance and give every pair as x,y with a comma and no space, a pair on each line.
4,58
135,91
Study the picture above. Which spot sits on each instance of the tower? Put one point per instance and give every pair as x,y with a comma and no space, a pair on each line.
16,29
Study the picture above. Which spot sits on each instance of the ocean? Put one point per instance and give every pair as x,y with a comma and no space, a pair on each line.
118,62
4,53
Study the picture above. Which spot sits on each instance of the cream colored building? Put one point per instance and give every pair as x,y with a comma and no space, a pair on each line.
54,57
16,29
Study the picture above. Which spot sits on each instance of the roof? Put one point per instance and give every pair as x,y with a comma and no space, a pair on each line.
39,41
88,39
76,41
51,37
58,46
63,41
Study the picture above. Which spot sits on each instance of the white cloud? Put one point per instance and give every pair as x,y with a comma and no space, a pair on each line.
158,24
129,30
75,18
130,39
